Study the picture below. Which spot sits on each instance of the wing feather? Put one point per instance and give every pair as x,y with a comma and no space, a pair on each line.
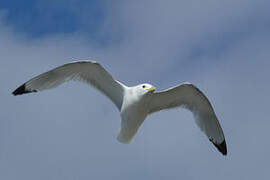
86,71
190,97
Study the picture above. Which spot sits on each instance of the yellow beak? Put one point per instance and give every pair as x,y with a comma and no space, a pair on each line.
151,89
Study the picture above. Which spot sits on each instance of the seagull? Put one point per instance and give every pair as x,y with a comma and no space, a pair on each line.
134,103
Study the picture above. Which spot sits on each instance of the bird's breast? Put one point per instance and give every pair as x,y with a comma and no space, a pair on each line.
136,108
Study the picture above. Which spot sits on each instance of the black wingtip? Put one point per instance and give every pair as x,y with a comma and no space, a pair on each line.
22,90
221,147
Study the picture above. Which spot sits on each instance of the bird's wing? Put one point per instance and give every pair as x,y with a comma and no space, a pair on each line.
86,71
190,97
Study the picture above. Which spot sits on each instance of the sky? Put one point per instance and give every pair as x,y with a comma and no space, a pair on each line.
70,132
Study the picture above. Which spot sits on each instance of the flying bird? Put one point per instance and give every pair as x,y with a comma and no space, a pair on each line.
134,103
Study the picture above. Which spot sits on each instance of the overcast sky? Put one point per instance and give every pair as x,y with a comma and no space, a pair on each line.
70,132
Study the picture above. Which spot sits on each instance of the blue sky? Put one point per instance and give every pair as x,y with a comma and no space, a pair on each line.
70,132
37,19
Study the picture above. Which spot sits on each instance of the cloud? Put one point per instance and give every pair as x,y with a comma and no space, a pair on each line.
69,132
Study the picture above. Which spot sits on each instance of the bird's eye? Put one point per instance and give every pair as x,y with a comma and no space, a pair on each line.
143,86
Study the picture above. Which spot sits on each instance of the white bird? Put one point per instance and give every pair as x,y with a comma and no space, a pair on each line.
134,103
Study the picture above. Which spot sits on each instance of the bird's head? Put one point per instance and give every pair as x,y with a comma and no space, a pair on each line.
145,88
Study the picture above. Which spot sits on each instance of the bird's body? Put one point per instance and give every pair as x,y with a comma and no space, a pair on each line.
134,103
133,112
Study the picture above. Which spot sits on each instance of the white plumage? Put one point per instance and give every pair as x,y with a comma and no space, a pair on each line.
134,103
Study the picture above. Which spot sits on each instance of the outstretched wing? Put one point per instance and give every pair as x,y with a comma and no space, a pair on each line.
190,97
87,71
